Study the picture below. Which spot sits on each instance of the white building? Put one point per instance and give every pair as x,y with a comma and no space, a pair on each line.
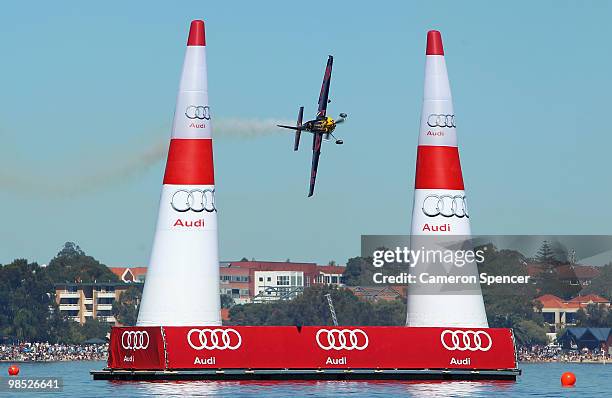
275,285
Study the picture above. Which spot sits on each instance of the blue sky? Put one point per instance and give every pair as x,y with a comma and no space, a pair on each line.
88,90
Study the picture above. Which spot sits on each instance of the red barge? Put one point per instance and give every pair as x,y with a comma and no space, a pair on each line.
309,352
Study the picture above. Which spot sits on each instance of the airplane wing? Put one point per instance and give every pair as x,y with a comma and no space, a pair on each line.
324,95
317,139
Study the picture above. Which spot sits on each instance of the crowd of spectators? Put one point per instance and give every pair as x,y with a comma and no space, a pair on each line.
98,352
556,354
53,352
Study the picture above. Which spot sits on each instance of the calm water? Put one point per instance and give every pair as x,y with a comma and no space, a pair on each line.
539,380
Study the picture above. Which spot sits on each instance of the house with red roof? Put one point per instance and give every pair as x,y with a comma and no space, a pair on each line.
130,274
559,313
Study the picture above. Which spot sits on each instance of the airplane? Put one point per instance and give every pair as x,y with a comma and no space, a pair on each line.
322,127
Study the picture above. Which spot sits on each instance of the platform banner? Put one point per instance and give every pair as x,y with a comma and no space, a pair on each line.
136,348
312,347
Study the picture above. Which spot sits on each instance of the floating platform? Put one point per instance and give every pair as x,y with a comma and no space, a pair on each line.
309,353
307,374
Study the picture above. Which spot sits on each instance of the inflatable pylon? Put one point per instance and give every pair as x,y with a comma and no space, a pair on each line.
440,207
182,282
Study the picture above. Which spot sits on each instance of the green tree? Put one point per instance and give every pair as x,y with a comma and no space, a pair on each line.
507,305
354,269
94,328
602,285
25,301
560,253
125,309
23,326
71,264
545,254
551,284
595,315
226,301
390,313
28,310
311,308
528,332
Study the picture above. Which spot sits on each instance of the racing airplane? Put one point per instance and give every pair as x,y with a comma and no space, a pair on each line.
321,128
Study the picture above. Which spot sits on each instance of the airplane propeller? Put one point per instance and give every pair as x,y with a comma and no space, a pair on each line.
341,119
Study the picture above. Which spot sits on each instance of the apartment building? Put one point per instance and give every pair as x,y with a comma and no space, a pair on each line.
243,281
261,281
235,283
83,301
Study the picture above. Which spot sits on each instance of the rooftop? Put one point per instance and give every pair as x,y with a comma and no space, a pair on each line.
552,301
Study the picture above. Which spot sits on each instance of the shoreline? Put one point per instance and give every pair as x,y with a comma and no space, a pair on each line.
52,360
600,361
590,362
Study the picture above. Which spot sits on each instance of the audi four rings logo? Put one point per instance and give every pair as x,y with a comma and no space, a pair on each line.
466,340
135,340
342,339
437,120
197,112
445,205
214,339
196,200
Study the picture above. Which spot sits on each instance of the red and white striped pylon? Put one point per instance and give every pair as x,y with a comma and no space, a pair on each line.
440,207
182,281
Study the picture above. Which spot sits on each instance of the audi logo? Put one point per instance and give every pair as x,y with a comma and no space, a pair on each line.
214,339
196,200
135,340
197,112
342,339
466,340
437,120
445,206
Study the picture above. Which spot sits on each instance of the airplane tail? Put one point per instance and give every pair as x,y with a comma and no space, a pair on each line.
297,128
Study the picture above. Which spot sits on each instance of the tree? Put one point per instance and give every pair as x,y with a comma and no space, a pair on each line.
392,313
70,249
354,269
94,328
545,254
71,264
25,301
28,310
125,309
560,253
507,305
226,301
528,332
23,326
595,315
602,285
551,284
311,308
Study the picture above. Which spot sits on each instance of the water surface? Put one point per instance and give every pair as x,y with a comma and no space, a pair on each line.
538,380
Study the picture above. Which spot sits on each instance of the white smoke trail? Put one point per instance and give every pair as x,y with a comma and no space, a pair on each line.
120,166
114,168
246,128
